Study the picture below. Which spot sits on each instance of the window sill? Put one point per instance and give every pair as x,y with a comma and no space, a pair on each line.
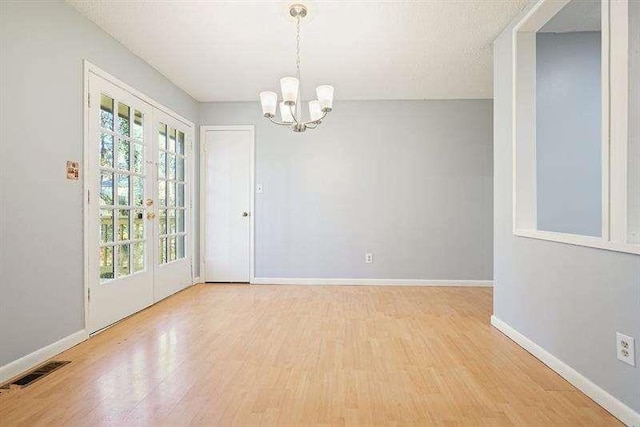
574,239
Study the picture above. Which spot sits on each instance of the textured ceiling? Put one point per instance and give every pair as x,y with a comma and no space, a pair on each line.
231,50
577,15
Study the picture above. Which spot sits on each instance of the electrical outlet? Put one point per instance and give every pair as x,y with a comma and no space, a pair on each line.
368,258
626,349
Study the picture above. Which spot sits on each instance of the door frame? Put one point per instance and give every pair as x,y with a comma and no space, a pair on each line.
88,69
203,202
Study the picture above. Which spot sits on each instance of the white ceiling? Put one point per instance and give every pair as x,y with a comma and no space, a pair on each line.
232,50
577,15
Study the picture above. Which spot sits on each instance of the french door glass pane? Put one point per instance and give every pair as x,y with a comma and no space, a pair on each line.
123,261
163,221
162,136
162,193
106,151
181,251
137,126
138,191
123,155
123,119
106,225
171,166
180,195
172,221
163,250
123,190
180,143
138,158
172,140
171,193
106,112
180,169
106,188
180,220
123,224
138,257
106,262
138,224
162,165
172,248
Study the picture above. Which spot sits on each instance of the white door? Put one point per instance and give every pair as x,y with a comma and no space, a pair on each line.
228,185
173,207
139,228
120,234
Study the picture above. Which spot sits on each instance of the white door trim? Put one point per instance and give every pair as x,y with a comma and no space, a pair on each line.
90,68
203,224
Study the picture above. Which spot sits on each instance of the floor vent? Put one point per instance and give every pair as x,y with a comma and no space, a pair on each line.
34,375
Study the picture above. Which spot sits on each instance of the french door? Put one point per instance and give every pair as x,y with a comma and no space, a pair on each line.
173,259
138,204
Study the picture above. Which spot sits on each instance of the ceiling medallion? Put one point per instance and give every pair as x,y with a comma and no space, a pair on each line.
289,107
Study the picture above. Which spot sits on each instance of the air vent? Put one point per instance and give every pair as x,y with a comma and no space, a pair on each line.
34,375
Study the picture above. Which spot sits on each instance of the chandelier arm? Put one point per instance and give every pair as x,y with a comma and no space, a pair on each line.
316,122
295,119
279,123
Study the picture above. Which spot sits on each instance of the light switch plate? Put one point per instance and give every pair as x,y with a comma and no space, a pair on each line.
626,349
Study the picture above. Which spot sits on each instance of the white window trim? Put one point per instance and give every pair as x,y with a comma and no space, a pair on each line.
614,128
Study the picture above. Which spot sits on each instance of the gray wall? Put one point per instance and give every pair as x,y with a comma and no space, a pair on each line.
409,181
568,299
568,133
41,69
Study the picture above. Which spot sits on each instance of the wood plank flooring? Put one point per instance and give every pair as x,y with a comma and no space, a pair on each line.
305,355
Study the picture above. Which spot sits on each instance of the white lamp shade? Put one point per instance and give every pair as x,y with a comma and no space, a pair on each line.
325,96
315,111
269,101
285,112
289,86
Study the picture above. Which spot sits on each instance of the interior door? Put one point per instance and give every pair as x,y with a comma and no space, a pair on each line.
120,234
228,188
173,208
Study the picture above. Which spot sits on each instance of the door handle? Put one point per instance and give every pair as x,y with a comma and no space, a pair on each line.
245,213
151,216
149,202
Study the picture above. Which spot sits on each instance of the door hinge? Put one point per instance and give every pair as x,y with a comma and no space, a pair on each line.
89,99
88,196
89,294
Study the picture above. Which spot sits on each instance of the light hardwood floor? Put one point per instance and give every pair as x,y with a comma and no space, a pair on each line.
305,355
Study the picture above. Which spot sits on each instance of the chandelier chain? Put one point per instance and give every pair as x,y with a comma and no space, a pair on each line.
298,47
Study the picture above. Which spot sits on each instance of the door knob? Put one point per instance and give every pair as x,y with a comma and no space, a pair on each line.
245,213
151,216
149,202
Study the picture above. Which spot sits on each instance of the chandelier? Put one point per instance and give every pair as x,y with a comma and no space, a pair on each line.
290,110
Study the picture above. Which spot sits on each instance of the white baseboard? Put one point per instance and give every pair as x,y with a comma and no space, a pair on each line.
197,280
376,282
618,409
34,359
